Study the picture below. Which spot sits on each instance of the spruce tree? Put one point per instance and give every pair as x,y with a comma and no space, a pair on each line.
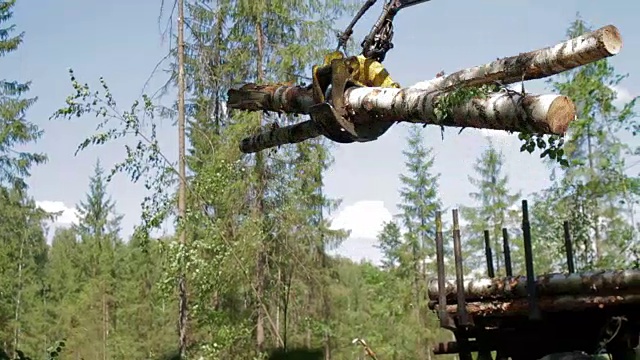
595,192
23,254
22,262
418,207
17,131
98,232
419,200
97,214
390,244
496,208
257,198
66,282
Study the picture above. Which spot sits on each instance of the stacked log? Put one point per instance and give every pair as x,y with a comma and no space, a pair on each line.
557,292
597,283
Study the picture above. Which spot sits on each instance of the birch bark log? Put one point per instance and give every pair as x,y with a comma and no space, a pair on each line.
505,110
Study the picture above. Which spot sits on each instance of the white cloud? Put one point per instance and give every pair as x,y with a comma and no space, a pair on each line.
358,249
364,218
67,216
623,95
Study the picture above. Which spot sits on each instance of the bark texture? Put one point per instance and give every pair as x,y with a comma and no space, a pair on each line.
280,136
536,64
505,110
600,283
272,97
183,315
509,111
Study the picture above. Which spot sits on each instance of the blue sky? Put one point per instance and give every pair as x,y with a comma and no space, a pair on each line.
120,40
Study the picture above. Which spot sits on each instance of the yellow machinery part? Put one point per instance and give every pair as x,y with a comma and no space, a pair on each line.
369,72
363,72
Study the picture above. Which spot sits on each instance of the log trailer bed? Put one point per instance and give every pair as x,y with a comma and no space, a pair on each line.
561,315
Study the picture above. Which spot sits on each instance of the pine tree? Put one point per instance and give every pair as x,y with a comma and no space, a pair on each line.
496,208
97,216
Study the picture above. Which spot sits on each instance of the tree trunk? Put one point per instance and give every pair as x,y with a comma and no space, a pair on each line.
105,326
182,205
16,332
261,256
278,301
596,209
555,284
326,309
260,274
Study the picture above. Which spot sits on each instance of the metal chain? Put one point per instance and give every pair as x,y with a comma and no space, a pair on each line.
382,41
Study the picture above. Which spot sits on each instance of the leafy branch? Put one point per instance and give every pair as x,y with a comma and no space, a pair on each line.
144,160
552,147
444,105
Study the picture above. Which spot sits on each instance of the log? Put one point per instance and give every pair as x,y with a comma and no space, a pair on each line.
588,283
272,97
536,64
545,114
519,307
509,111
290,134
506,110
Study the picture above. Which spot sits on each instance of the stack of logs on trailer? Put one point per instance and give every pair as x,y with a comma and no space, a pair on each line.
574,314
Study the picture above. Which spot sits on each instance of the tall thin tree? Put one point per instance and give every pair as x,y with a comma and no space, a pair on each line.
182,204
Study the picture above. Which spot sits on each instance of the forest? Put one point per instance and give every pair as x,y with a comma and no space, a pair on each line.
248,267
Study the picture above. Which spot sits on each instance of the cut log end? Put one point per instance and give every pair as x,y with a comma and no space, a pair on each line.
611,39
562,111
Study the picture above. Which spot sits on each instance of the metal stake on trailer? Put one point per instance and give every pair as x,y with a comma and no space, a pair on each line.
527,317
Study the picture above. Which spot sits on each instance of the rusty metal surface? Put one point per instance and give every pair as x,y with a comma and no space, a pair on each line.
545,304
602,282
